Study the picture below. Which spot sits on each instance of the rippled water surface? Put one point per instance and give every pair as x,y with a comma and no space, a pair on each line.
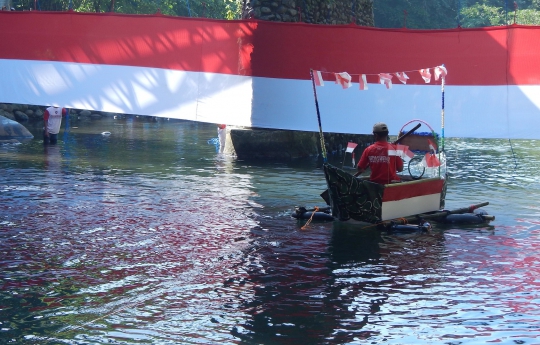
148,236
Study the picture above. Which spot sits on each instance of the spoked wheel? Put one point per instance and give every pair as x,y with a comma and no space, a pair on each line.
416,168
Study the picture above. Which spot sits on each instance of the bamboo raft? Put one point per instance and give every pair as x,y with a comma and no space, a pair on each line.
464,215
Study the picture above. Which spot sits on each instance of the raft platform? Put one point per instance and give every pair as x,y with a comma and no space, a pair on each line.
470,215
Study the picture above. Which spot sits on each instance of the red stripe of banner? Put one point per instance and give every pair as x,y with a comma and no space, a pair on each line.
114,39
405,190
483,56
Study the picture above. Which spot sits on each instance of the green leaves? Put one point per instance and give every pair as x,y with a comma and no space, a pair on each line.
218,9
439,14
480,15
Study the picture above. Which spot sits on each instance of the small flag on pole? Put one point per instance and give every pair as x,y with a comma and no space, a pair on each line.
317,77
363,82
351,147
430,161
402,77
432,146
344,79
424,72
404,152
440,71
386,79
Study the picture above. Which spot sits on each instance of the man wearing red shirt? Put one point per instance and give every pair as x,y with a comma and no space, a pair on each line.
381,157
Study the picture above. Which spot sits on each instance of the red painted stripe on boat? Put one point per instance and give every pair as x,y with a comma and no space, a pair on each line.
401,191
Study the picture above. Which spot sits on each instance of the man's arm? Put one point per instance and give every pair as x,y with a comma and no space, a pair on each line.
359,172
363,163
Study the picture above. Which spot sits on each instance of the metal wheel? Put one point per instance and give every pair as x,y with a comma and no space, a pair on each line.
416,168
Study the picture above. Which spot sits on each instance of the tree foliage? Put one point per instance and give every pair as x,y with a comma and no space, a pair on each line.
480,15
439,14
413,14
219,9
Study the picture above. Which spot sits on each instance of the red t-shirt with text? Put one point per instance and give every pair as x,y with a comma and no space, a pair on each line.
382,158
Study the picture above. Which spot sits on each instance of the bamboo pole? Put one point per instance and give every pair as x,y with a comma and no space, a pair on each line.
323,146
439,214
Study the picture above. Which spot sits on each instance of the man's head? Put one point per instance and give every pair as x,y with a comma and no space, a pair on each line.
380,130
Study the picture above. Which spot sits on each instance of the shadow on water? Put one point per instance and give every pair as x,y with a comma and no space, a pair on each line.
326,284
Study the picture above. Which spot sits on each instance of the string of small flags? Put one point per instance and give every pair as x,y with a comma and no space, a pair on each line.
345,79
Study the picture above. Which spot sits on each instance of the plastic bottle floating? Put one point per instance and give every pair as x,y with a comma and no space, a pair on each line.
106,133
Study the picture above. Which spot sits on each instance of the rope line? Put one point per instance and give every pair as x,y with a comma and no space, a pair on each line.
316,208
351,74
513,153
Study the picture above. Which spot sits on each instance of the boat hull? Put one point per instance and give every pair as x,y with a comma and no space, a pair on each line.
353,198
413,197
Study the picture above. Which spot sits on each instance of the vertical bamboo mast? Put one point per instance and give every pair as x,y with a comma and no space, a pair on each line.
442,114
321,135
442,121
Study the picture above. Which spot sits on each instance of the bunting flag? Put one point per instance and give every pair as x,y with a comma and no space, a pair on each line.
424,72
404,152
386,79
440,71
402,77
430,161
363,82
351,147
432,146
344,79
317,77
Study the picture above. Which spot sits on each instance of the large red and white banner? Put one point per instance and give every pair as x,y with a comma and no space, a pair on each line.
255,73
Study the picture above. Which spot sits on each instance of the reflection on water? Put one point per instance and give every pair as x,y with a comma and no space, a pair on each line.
147,235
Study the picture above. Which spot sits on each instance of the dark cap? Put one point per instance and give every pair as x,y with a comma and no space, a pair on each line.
380,127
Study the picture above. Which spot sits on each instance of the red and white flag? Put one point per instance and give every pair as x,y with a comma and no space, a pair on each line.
440,71
386,79
351,147
430,161
317,77
424,72
404,152
402,77
344,79
432,146
363,82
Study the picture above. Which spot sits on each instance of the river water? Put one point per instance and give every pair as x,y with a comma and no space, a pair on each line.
149,236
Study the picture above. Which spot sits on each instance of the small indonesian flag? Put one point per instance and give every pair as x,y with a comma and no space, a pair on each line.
344,79
432,146
402,77
317,77
440,71
386,79
404,152
392,151
425,75
351,147
363,82
430,161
